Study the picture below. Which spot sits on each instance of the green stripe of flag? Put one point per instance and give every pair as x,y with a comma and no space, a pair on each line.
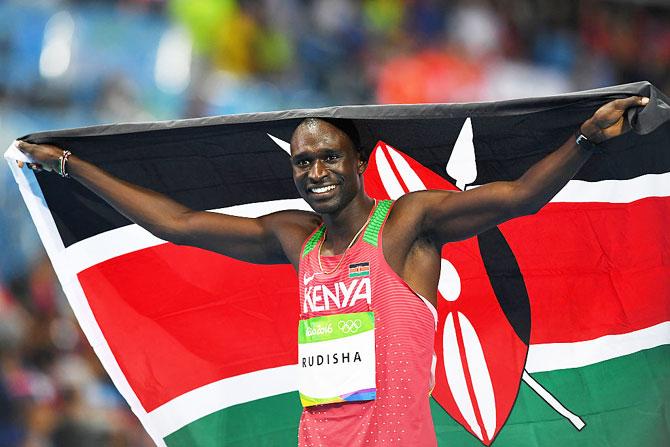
624,402
272,421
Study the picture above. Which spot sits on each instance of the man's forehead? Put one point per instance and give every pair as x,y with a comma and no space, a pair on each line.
311,123
316,127
315,133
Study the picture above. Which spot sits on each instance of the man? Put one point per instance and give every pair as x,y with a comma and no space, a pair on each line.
363,266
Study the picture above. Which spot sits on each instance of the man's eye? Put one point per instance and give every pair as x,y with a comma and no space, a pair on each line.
301,163
332,158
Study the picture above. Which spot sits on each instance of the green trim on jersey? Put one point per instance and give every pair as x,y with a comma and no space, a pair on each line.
311,243
371,235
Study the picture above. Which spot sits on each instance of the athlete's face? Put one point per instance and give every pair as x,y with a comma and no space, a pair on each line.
327,169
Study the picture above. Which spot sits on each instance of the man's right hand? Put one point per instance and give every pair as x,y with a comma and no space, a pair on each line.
45,156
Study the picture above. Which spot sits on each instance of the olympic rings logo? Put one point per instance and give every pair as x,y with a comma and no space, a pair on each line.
349,326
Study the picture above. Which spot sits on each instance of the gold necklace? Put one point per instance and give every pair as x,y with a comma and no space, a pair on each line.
358,233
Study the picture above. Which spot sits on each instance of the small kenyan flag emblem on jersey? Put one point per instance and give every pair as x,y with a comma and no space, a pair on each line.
359,269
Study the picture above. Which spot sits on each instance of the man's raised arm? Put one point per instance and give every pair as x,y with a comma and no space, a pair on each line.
248,239
449,216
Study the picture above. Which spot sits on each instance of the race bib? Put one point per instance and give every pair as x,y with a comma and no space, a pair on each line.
336,356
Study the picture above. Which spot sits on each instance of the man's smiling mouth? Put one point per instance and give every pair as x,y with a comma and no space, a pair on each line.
322,189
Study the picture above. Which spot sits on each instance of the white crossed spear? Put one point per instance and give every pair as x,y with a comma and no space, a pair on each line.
461,167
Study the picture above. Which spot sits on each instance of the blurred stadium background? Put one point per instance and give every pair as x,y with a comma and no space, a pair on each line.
78,63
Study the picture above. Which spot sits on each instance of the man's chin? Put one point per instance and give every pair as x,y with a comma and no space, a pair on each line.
323,206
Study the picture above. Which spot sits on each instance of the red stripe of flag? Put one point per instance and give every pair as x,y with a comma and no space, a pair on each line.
594,269
177,318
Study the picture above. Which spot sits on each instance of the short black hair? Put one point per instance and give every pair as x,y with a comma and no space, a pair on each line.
347,126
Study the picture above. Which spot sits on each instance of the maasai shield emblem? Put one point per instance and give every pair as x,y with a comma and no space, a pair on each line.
484,314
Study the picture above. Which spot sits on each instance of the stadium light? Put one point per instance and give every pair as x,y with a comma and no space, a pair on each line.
57,45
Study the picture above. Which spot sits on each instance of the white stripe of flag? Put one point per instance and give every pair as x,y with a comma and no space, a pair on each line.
124,240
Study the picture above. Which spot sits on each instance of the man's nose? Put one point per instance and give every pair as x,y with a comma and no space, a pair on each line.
318,170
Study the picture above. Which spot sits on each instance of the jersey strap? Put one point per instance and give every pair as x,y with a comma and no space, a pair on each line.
371,235
313,240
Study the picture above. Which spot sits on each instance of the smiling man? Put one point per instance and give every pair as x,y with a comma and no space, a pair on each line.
368,270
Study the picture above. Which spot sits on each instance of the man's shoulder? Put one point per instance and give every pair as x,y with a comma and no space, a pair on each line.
409,220
293,223
292,228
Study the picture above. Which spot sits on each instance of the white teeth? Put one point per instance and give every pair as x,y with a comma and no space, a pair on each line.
323,189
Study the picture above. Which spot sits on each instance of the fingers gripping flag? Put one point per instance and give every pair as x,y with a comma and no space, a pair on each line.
553,328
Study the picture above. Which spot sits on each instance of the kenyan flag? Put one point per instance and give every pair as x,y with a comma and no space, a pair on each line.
554,328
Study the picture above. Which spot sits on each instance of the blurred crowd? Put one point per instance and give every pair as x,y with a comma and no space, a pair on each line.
53,390
75,63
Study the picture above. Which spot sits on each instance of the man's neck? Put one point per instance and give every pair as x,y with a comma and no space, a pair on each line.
344,225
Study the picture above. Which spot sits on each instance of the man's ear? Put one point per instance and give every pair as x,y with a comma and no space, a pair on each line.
362,165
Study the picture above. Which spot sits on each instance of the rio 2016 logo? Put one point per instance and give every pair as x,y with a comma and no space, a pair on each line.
319,330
